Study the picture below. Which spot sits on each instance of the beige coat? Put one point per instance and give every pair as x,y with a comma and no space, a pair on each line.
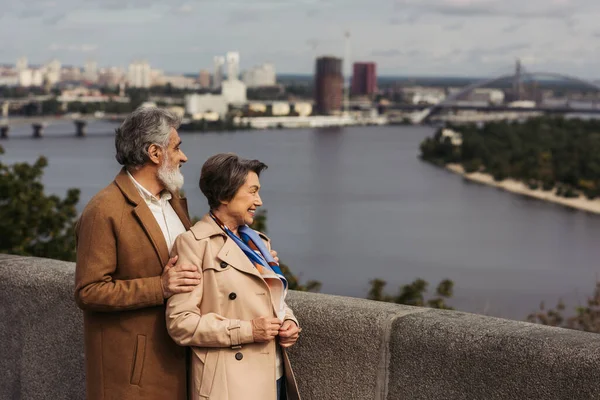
121,252
214,320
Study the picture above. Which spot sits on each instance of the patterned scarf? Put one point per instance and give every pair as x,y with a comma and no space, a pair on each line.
255,249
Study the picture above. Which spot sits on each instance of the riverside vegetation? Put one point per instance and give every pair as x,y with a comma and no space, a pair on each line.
33,223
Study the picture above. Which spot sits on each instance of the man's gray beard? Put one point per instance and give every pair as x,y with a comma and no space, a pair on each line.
170,176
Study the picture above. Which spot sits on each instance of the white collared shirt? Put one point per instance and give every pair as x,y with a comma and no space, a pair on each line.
168,220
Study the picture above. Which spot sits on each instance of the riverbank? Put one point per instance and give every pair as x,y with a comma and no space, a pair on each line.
510,185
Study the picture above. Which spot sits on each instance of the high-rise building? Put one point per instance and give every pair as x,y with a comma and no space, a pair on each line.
90,71
364,79
204,79
233,65
139,74
260,76
53,70
329,84
218,75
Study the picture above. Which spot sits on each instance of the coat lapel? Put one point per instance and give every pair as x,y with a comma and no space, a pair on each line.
179,204
148,222
230,252
234,256
144,216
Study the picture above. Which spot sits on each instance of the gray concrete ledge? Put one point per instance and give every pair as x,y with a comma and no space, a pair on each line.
349,348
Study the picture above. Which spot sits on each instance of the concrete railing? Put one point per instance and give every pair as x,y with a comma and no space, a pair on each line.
349,348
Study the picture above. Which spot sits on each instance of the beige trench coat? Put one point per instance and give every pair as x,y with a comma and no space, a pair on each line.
214,320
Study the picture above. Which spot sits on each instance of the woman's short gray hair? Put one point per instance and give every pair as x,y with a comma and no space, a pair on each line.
142,128
223,174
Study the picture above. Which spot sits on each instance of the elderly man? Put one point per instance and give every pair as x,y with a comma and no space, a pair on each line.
124,274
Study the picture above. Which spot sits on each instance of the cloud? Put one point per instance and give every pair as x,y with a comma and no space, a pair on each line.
486,8
404,20
185,8
81,48
454,27
512,27
390,53
30,13
54,19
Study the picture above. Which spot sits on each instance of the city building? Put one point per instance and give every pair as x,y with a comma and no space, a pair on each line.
176,81
21,64
233,65
218,74
234,91
70,74
90,71
422,95
9,78
31,77
364,79
53,71
329,83
85,95
280,108
260,76
303,109
139,75
204,79
197,105
112,76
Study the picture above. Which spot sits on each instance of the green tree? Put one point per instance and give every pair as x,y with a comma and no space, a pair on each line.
260,224
545,152
586,317
413,294
31,222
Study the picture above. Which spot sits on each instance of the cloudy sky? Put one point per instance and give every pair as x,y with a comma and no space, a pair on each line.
405,37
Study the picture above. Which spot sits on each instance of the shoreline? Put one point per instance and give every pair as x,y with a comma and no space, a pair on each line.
510,185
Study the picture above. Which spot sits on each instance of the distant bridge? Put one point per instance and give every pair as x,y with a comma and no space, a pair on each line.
38,123
517,78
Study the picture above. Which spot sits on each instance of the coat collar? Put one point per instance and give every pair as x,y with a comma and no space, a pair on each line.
230,253
145,217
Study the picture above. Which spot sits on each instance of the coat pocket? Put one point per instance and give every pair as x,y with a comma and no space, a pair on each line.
208,373
139,353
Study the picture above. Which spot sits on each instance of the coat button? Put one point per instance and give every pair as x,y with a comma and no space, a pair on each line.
232,296
223,264
239,356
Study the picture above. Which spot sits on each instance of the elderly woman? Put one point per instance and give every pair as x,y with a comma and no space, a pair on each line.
236,320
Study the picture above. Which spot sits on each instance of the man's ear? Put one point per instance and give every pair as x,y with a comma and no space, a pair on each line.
155,153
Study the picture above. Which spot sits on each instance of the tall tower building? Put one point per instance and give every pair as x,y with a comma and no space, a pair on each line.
139,74
204,79
218,75
233,66
329,85
364,79
90,71
53,69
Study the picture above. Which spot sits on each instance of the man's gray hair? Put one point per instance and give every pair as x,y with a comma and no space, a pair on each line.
142,128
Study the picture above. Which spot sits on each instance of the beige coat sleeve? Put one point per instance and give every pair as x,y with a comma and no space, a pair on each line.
185,323
95,288
289,314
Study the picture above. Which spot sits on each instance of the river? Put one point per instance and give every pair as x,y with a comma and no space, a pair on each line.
349,205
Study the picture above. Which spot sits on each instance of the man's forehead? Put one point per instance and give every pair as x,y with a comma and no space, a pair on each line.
174,138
